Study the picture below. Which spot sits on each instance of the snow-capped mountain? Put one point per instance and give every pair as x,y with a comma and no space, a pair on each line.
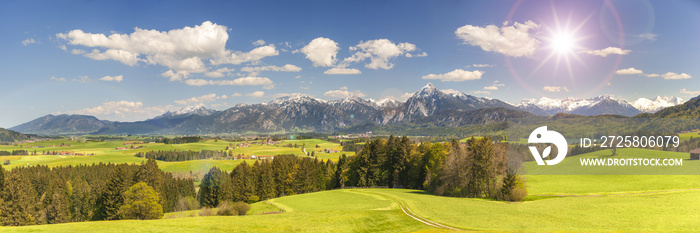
429,101
658,103
387,103
190,111
603,104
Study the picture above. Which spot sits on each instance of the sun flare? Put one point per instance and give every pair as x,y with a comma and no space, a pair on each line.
562,43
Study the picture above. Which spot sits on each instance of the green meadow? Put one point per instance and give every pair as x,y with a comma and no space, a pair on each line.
586,201
376,210
105,152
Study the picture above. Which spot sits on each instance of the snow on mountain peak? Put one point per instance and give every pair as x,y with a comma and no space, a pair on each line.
388,103
427,90
658,103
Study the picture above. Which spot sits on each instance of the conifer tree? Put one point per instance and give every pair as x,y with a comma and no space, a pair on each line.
112,197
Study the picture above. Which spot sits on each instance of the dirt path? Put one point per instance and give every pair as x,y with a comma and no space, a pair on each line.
423,220
407,211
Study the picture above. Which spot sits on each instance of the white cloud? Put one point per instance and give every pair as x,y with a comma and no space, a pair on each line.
175,75
259,42
338,70
668,75
555,89
254,55
247,81
417,55
629,71
607,51
671,75
123,56
451,91
63,47
494,87
178,49
687,92
457,75
648,36
29,41
124,111
285,68
482,92
406,95
321,51
218,73
201,99
343,92
482,65
81,79
57,79
379,53
514,40
118,78
78,51
256,94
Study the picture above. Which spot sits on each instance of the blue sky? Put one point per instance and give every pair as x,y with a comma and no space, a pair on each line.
126,61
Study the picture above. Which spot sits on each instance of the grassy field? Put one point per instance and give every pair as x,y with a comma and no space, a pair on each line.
329,211
587,202
686,136
105,153
375,210
671,211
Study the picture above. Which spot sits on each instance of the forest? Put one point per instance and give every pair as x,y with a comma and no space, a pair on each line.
43,195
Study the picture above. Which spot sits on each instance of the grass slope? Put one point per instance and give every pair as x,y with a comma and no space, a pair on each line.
673,211
329,211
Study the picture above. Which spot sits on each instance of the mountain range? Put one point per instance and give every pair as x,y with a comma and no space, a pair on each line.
428,106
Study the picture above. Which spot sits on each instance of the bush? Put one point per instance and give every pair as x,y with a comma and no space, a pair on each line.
513,188
241,207
141,202
207,212
253,199
226,209
186,203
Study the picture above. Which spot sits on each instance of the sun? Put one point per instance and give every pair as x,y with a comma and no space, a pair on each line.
563,43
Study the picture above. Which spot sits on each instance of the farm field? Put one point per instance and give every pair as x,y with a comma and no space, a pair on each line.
105,152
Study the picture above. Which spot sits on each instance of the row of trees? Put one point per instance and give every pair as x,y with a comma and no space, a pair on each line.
174,155
15,152
179,140
478,169
285,175
43,195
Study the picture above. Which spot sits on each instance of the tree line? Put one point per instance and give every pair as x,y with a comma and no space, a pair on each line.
174,155
179,140
14,152
478,168
264,179
43,195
